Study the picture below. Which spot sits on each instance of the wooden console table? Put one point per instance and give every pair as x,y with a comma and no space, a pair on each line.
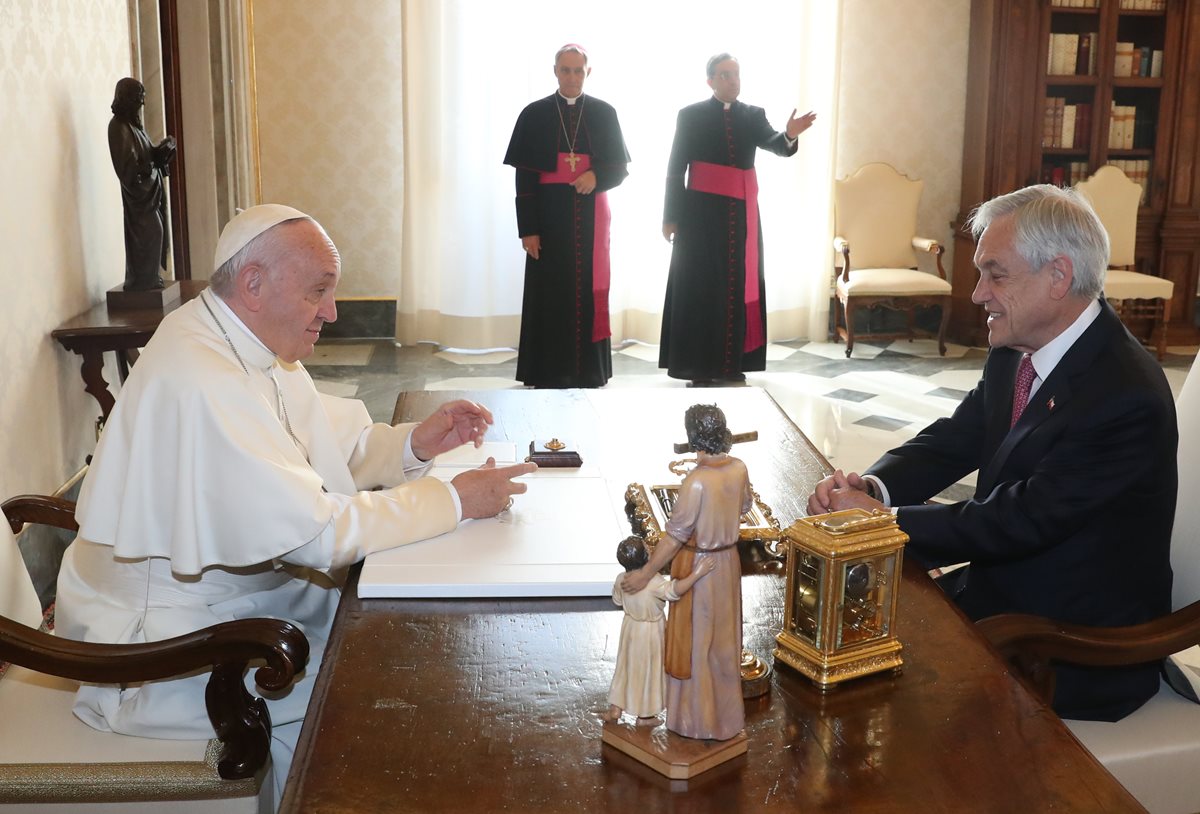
93,333
493,704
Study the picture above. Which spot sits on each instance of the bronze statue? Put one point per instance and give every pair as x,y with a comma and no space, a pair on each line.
141,167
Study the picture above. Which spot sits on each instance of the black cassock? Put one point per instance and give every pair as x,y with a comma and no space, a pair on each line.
565,341
704,316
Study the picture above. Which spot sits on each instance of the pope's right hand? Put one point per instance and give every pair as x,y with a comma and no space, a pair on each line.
486,491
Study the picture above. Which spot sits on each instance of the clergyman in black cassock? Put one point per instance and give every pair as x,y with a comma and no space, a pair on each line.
568,151
715,314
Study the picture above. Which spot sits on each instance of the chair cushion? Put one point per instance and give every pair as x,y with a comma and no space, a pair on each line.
892,282
46,753
1120,284
1182,671
1154,752
18,599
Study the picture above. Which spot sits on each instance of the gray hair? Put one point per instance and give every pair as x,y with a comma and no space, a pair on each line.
571,48
1050,222
262,249
716,60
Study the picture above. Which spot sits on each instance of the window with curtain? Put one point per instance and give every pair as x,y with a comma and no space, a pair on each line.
469,69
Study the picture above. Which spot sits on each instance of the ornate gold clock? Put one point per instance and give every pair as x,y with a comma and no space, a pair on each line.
843,579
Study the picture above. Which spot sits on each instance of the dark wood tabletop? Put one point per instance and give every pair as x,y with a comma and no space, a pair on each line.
101,329
493,705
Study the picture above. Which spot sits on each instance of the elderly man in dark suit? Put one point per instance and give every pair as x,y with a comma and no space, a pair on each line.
1072,430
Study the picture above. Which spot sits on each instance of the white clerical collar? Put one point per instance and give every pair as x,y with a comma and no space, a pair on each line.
726,105
570,100
1047,357
259,354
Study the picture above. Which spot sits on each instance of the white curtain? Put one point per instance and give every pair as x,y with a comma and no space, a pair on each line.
471,66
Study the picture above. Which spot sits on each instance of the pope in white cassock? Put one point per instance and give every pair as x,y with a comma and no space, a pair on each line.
225,486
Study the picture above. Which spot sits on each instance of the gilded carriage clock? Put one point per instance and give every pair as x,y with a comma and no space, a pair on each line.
843,572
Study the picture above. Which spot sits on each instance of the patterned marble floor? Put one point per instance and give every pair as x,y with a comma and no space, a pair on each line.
852,409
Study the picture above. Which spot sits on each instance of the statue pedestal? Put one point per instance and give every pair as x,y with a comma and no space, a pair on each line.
671,755
121,300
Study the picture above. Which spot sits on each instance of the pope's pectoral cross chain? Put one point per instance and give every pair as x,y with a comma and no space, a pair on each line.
571,158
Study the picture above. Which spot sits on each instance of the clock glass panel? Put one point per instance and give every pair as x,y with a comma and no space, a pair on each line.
806,609
866,595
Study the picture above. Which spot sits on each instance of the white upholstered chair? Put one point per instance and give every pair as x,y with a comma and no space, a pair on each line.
1155,752
875,228
52,762
1134,296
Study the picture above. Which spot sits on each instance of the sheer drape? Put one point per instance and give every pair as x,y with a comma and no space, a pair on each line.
470,67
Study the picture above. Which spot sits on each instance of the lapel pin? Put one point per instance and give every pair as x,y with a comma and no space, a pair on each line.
1050,403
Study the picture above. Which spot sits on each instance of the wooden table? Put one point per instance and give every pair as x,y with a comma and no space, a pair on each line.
122,331
493,705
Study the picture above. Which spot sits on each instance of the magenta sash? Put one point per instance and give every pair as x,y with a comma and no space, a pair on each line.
718,179
601,271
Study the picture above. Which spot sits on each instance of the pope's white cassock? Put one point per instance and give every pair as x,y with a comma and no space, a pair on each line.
219,491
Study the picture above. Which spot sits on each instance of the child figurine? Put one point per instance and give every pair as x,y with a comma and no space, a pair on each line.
639,681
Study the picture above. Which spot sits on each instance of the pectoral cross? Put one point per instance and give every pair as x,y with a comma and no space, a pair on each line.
572,159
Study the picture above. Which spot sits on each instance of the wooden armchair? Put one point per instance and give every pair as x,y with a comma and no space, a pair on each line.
1155,751
1134,296
47,756
875,214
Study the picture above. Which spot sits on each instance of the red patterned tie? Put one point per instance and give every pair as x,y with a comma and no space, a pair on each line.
1025,377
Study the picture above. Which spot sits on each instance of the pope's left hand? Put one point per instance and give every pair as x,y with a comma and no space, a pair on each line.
451,425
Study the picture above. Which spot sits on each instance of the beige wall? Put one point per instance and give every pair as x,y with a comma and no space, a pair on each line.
903,98
60,223
330,122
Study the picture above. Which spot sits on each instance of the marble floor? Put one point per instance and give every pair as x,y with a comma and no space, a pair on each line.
852,409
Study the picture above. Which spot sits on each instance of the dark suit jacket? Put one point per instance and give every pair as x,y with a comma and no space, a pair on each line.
1073,509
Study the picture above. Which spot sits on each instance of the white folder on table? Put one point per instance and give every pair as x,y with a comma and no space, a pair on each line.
558,539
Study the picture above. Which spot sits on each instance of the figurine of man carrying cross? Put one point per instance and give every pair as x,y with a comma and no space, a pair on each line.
704,628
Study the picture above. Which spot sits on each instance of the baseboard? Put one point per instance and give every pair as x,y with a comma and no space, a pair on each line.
363,318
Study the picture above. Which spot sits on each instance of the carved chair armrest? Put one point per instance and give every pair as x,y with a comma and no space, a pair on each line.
240,720
926,244
50,511
842,246
1031,643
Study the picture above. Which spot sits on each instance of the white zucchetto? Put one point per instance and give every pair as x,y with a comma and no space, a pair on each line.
249,224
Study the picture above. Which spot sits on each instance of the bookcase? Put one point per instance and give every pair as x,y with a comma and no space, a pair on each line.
1056,89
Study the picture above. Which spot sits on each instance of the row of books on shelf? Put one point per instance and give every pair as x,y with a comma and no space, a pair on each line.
1071,173
1131,5
1066,126
1071,54
1065,175
1135,60
1069,127
1130,128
